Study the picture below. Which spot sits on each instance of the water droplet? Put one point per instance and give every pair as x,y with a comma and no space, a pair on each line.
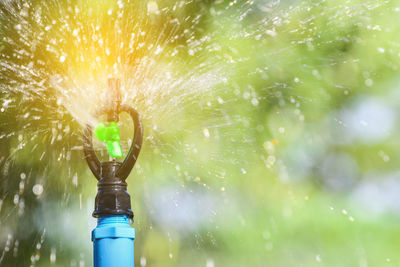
318,258
62,59
16,199
75,180
210,263
254,101
269,147
53,256
24,13
206,133
271,160
381,50
37,189
158,50
21,187
120,4
152,7
384,156
143,261
369,82
271,33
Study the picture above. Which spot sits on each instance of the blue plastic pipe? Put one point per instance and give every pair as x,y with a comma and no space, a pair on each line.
113,242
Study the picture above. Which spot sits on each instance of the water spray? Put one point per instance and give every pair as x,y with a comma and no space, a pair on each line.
113,238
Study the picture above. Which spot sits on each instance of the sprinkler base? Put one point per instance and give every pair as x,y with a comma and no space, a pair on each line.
113,242
112,196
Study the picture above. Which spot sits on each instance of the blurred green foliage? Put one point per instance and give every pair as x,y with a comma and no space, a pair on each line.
278,165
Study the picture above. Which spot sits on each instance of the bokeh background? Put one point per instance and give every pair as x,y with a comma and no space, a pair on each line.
270,129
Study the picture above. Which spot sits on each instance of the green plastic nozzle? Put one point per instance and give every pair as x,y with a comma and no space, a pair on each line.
110,136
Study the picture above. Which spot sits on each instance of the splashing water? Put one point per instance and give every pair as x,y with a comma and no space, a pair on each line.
194,70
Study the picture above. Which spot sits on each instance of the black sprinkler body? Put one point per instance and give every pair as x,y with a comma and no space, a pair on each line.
112,197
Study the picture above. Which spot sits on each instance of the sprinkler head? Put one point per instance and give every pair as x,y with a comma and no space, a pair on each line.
112,196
